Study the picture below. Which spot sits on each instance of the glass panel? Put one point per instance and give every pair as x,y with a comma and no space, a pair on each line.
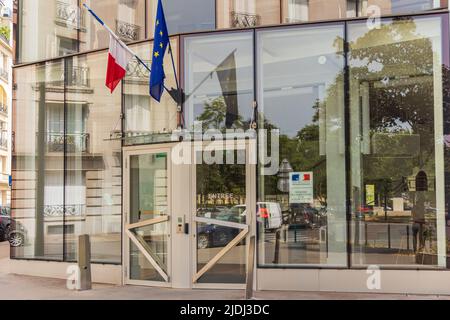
247,13
125,17
38,162
219,80
184,16
147,121
397,154
48,29
93,195
148,200
399,6
221,195
301,208
295,11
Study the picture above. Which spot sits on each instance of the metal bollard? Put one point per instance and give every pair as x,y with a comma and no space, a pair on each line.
250,269
84,262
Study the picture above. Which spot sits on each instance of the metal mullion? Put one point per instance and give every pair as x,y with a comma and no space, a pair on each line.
64,158
348,196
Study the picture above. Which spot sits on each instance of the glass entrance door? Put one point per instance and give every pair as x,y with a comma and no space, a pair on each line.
222,218
147,218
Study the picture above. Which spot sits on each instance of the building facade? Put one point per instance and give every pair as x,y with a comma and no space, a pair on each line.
342,165
6,54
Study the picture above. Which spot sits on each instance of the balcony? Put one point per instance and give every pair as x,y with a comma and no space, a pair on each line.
4,75
127,32
136,71
3,143
244,20
78,77
3,109
76,143
53,211
69,16
4,178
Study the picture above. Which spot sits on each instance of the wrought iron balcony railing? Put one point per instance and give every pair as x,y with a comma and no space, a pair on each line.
69,15
78,77
127,31
4,75
4,178
77,142
137,71
3,143
74,210
244,20
3,109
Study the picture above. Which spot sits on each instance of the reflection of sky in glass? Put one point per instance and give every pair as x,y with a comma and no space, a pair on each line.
204,55
299,68
188,16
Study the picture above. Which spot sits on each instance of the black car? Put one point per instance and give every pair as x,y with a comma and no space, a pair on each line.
10,230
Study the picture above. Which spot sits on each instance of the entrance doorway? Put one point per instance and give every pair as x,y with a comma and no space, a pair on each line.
187,225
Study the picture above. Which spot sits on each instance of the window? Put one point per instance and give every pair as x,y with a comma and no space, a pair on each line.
38,169
295,11
47,29
147,121
247,13
219,81
125,17
93,187
397,154
301,197
399,6
184,16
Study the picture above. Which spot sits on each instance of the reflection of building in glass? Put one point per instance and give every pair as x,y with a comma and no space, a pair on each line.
6,54
362,165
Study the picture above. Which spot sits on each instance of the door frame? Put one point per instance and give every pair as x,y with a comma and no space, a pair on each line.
250,183
127,153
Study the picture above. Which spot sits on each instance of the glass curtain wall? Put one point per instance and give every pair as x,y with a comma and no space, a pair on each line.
368,7
184,16
397,151
38,162
219,81
67,160
147,121
49,29
93,175
247,13
125,17
295,11
301,94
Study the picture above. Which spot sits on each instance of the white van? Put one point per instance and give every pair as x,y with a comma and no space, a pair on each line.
268,214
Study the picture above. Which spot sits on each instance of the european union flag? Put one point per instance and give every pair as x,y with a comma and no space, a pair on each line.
161,41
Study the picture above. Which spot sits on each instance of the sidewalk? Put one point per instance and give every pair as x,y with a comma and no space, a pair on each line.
14,287
30,288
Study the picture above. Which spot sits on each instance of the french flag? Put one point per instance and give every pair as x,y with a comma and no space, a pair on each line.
118,59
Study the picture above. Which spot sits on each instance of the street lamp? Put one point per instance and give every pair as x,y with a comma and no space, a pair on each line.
283,176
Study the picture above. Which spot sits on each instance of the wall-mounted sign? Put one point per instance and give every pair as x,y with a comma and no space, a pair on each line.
370,194
301,187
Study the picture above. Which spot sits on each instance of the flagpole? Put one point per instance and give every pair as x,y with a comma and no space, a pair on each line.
121,42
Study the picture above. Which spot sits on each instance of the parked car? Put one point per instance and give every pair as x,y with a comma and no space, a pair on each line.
212,235
304,216
11,230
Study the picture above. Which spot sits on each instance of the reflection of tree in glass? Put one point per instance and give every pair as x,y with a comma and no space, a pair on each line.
214,114
302,152
398,66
